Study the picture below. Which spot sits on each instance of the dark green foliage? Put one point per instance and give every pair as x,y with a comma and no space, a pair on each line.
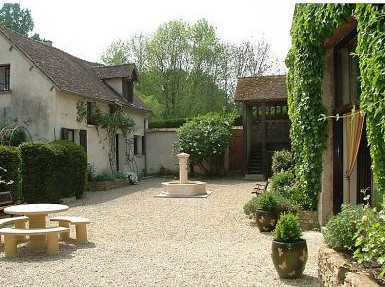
71,170
167,123
103,177
341,229
251,206
38,172
16,18
52,171
10,161
282,160
287,229
14,135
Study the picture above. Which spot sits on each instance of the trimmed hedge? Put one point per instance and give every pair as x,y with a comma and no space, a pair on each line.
37,171
51,171
73,167
10,161
167,123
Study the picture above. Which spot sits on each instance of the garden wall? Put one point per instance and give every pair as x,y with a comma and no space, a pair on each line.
337,271
159,144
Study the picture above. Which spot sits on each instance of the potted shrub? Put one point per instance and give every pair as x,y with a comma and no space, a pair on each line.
289,250
267,213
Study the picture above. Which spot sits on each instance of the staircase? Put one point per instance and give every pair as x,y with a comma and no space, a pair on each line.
255,166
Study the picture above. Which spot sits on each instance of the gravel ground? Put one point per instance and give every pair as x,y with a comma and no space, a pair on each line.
138,240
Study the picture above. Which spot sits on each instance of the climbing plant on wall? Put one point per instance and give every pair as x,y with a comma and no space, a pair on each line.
312,25
371,51
111,122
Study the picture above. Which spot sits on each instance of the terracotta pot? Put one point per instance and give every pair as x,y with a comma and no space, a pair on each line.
266,220
289,258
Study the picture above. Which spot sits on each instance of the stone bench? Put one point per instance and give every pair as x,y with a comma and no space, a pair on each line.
80,225
11,235
18,222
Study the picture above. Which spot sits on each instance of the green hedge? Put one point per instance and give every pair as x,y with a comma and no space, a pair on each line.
167,123
73,166
37,171
10,161
51,171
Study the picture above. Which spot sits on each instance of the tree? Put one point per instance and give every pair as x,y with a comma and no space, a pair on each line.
116,53
15,18
206,138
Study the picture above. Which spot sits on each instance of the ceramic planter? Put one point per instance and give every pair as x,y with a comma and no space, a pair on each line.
266,220
289,258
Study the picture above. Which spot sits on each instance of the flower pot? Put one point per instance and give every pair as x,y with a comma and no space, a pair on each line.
289,258
266,220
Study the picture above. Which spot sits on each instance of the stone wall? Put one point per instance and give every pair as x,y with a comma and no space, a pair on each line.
308,220
337,271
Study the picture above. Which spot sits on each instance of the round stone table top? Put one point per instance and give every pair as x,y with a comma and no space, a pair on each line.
39,208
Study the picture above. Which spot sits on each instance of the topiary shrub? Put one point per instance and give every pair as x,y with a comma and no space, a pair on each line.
37,166
10,162
282,160
340,229
287,229
267,201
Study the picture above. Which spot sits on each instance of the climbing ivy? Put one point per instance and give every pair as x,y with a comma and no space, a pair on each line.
312,25
371,51
111,122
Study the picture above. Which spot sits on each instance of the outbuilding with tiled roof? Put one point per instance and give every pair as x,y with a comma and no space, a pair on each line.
265,121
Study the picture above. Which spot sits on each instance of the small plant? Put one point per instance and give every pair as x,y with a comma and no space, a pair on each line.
132,177
287,229
119,175
91,172
103,177
340,230
282,161
251,206
370,238
267,201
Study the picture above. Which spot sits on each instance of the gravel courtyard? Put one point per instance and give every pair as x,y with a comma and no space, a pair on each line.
139,240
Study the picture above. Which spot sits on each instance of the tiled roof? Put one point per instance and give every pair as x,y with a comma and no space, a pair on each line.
68,73
106,72
263,88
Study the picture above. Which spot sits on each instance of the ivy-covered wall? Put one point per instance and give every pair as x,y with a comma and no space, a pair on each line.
312,25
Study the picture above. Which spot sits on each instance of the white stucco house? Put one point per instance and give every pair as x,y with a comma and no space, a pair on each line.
40,87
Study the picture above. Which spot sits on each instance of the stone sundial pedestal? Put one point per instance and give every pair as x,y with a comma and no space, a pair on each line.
184,187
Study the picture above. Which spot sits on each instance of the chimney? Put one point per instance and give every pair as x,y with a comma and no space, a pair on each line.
47,42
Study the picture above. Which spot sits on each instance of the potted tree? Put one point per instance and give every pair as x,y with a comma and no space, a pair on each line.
267,213
289,249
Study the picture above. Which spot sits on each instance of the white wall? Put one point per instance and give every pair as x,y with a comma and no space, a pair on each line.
159,150
31,100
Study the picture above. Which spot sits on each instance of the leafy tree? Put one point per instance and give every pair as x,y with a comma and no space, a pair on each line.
206,138
16,18
116,53
187,69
